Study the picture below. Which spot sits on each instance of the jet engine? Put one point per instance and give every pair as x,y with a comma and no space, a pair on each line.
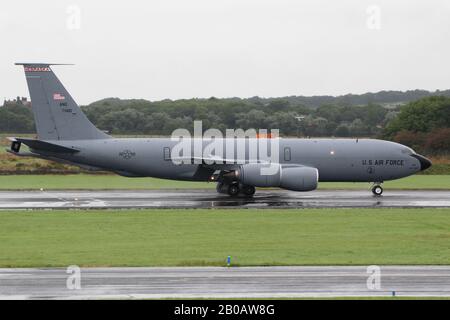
290,177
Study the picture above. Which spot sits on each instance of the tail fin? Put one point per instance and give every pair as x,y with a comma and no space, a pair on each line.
56,114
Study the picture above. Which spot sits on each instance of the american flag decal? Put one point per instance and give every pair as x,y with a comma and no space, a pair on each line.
58,96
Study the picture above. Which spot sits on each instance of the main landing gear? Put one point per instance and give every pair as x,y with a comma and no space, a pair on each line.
377,190
248,191
235,188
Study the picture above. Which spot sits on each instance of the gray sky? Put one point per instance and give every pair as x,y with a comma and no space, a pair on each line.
201,48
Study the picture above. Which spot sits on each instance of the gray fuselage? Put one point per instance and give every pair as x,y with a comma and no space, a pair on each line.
336,159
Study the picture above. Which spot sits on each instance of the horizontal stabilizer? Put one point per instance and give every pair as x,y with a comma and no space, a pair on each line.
41,146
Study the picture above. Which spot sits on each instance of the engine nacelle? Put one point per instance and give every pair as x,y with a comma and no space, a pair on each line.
290,177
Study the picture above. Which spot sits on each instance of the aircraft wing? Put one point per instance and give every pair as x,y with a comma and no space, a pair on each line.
215,160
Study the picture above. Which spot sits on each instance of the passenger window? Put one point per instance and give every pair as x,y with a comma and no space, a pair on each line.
287,154
166,153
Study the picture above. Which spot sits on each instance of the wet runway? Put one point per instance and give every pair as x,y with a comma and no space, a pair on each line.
218,282
211,199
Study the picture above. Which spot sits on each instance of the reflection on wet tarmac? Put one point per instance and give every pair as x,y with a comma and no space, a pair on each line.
210,199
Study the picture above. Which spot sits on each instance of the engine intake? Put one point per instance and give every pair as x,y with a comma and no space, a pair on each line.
290,177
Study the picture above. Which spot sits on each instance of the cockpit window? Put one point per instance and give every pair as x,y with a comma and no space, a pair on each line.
407,151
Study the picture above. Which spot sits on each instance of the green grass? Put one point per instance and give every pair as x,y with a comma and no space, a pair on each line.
83,181
207,237
86,181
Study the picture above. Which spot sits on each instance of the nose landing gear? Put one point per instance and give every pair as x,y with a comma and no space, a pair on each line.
377,190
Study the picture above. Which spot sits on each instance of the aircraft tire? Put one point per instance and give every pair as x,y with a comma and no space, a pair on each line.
249,191
219,187
233,189
377,190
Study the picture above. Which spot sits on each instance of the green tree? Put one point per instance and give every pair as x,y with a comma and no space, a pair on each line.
16,118
342,131
422,115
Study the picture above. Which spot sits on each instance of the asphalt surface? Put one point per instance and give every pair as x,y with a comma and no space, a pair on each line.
211,199
217,282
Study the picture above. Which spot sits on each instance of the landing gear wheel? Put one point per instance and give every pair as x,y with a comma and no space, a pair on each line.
233,189
248,190
377,190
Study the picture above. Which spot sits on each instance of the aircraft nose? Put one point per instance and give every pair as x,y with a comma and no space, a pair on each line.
424,162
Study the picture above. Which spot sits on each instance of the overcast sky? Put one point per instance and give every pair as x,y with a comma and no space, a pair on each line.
224,48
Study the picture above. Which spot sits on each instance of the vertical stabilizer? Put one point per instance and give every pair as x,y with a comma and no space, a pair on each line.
56,114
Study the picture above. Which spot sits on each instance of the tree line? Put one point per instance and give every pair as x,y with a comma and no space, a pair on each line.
162,117
423,124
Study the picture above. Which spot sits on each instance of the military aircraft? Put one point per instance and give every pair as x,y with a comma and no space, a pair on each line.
65,134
